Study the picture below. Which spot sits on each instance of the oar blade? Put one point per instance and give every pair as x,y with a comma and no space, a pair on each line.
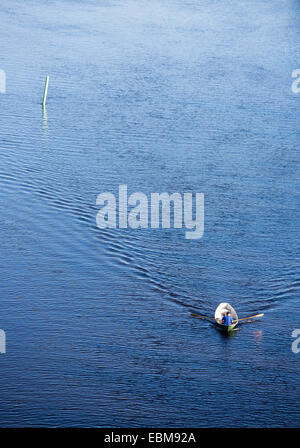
250,317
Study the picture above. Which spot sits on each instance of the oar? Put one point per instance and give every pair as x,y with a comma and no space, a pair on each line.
202,317
250,317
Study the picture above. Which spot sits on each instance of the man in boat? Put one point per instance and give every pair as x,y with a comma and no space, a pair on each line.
227,319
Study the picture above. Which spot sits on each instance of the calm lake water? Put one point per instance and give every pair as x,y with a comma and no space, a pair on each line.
160,95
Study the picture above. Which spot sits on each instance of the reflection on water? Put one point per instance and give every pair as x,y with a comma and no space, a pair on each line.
258,335
45,119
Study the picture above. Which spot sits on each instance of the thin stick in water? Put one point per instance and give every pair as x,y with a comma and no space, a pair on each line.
45,91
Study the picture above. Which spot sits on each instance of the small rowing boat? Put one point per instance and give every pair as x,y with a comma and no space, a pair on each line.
220,312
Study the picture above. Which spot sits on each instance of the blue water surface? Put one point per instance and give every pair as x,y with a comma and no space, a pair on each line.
160,95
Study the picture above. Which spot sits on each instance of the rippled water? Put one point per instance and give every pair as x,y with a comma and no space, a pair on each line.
161,96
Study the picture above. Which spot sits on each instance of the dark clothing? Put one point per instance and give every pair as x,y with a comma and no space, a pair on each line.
227,320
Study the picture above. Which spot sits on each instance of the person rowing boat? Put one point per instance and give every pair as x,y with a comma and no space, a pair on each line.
227,319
